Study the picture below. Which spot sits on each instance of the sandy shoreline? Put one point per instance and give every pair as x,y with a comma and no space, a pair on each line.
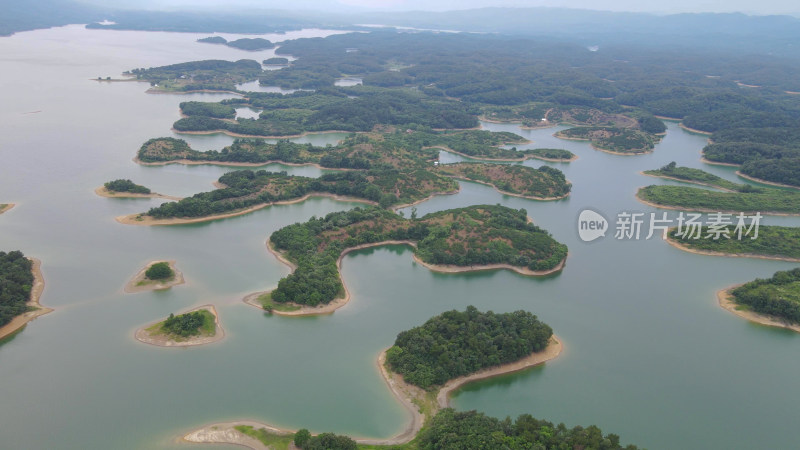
133,285
189,162
406,394
103,192
716,163
252,299
685,248
612,152
601,149
705,210
157,91
529,197
142,335
287,136
685,181
725,300
140,219
553,349
479,158
692,130
555,160
770,183
17,323
7,207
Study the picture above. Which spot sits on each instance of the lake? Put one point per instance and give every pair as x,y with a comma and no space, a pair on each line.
649,355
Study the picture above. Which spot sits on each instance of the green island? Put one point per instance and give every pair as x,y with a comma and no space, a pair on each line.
690,175
400,149
615,140
253,44
213,75
472,238
424,365
748,200
156,275
196,327
544,183
244,191
124,188
21,285
773,301
770,155
773,242
121,185
445,347
551,154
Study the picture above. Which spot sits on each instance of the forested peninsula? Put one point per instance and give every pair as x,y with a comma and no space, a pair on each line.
773,301
21,286
466,239
429,356
773,242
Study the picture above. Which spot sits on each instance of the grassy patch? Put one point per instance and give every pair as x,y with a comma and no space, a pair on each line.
691,175
275,441
269,305
207,329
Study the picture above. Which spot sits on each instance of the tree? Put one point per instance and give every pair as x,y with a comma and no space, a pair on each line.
302,437
159,271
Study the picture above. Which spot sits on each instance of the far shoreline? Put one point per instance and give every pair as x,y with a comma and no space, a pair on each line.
725,300
329,308
19,322
408,396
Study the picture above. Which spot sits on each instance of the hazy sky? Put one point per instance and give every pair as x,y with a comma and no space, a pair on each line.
663,6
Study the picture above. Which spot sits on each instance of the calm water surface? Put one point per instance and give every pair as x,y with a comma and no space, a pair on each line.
648,353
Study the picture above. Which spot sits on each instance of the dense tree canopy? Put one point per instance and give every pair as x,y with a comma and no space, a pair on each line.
159,271
777,296
471,430
16,281
455,344
121,185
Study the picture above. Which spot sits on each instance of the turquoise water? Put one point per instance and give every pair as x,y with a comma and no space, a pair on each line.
648,353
